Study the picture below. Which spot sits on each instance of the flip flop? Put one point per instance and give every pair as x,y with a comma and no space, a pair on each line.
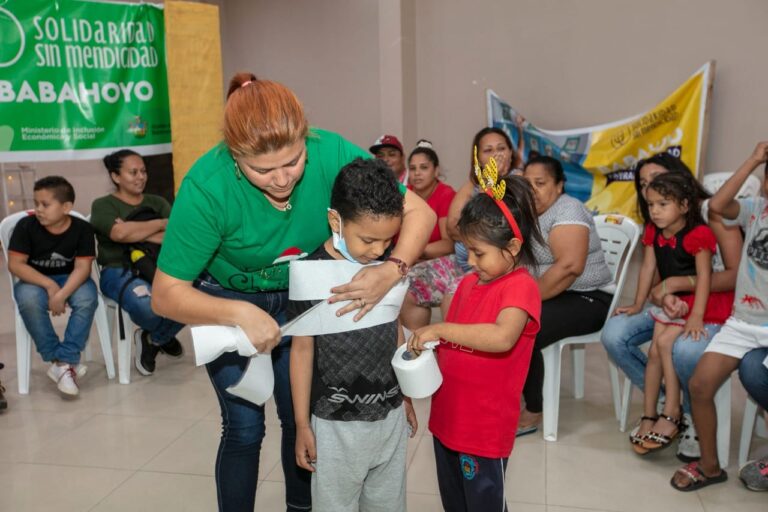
697,478
524,431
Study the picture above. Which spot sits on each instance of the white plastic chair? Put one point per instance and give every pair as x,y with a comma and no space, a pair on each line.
113,327
749,425
24,339
713,181
113,323
619,236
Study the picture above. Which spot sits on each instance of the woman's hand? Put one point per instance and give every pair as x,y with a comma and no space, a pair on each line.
694,327
366,289
262,330
629,310
306,450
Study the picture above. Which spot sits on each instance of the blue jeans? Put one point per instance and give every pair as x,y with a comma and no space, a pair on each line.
237,462
33,308
137,303
754,375
623,335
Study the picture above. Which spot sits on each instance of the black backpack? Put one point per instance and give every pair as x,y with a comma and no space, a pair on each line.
139,258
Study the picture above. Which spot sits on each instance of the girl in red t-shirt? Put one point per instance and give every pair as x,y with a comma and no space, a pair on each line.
677,243
485,349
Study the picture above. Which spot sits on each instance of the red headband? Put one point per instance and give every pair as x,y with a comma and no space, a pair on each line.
508,214
487,179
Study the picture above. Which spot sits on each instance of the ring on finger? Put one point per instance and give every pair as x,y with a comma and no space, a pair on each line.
362,302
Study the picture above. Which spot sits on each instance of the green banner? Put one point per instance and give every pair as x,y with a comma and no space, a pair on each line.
80,78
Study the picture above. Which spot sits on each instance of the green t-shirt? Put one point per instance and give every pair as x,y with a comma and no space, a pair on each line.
225,225
105,210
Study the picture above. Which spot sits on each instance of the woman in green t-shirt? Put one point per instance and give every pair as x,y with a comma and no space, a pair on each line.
243,211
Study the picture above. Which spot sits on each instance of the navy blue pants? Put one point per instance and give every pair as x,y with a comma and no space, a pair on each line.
469,483
243,423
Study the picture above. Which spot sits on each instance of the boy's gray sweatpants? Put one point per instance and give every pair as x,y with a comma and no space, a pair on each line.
360,464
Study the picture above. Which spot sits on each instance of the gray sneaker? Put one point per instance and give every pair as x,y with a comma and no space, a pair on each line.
754,474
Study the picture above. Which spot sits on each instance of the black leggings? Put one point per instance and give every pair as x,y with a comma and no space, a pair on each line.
568,314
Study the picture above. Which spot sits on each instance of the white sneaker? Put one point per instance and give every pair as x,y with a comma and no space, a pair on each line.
688,449
81,370
54,373
64,377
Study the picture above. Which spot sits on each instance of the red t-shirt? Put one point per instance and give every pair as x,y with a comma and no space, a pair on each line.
477,407
439,201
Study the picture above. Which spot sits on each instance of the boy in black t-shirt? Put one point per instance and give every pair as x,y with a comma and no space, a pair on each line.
50,253
355,441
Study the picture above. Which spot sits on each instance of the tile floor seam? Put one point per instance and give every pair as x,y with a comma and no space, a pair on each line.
271,469
701,501
415,449
193,425
185,473
131,475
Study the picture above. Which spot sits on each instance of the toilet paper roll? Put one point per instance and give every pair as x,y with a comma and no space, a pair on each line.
258,380
211,341
419,377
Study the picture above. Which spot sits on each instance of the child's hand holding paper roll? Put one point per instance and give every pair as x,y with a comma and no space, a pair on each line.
424,338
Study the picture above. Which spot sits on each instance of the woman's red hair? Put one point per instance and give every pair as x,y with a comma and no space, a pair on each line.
261,116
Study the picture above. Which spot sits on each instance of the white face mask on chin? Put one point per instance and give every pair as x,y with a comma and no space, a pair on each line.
338,240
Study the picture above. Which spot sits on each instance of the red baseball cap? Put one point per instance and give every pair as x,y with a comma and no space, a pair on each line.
386,140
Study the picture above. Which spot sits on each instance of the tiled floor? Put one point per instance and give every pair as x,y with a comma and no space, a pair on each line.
151,446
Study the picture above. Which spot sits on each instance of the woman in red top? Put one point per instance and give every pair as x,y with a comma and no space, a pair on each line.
485,350
423,179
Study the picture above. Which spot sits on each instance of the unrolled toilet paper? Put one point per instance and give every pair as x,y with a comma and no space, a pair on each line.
310,280
258,380
418,376
313,280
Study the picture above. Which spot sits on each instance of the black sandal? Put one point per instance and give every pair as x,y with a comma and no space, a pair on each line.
663,440
636,439
697,478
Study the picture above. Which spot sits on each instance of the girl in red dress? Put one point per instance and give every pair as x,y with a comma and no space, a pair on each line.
677,243
485,350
